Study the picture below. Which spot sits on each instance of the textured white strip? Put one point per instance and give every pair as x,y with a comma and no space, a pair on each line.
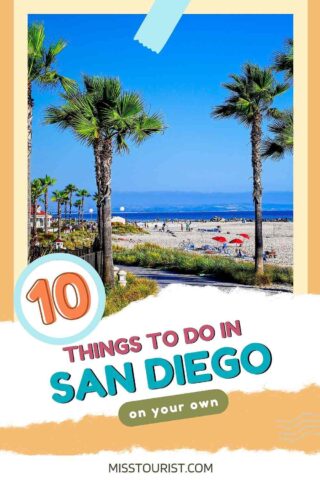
288,325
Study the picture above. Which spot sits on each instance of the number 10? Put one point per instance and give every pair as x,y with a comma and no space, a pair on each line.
55,300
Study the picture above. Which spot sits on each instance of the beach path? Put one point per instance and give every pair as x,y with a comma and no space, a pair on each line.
165,278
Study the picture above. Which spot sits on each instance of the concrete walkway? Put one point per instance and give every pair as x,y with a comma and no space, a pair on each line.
165,278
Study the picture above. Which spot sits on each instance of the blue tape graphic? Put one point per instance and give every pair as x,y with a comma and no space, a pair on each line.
159,24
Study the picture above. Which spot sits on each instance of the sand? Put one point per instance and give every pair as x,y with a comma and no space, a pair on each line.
277,236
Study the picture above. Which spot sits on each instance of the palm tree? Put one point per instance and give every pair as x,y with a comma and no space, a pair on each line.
82,194
46,183
104,117
284,61
282,140
65,203
41,61
70,189
78,205
253,93
59,197
36,192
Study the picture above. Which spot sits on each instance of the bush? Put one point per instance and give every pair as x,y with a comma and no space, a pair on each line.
73,240
136,289
149,246
127,228
222,268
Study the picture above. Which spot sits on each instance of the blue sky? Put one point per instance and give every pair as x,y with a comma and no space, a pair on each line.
183,83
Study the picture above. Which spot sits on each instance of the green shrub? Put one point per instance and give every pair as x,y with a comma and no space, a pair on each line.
148,245
136,289
127,228
222,268
73,240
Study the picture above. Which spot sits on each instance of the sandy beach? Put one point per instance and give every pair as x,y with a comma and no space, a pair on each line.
278,236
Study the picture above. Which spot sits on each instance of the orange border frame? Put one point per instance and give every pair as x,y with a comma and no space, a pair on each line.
183,434
313,156
6,179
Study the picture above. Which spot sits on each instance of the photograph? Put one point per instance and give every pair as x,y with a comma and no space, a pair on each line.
177,169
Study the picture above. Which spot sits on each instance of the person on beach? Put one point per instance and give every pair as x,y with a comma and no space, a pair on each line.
240,254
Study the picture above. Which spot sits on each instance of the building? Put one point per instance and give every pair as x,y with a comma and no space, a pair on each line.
40,218
58,244
118,220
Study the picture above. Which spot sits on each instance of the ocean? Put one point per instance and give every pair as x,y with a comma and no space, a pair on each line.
194,216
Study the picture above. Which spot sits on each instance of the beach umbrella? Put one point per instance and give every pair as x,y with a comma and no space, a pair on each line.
236,241
219,239
244,235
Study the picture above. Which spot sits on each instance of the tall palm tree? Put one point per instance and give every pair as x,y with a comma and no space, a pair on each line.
82,194
36,192
70,189
252,96
284,61
78,205
282,140
46,183
104,117
59,197
41,70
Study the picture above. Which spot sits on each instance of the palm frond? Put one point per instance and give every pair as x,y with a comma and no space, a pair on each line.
69,86
41,60
284,61
283,137
254,91
146,126
272,150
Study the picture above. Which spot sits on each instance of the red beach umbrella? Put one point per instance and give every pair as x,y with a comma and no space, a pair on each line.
237,241
219,239
244,235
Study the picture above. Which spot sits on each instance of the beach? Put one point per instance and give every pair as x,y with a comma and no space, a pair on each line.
278,237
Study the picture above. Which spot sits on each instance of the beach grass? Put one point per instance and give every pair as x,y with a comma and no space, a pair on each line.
85,238
120,297
73,240
221,268
127,229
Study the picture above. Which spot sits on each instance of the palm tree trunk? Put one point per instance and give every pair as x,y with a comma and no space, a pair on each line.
98,148
30,105
59,219
108,267
46,211
34,218
256,136
99,215
70,206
